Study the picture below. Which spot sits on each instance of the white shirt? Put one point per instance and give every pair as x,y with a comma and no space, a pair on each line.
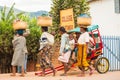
84,37
64,38
43,42
72,44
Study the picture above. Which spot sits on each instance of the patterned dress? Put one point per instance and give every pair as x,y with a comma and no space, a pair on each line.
45,51
44,57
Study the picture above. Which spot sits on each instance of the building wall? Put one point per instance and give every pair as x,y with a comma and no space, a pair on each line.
103,14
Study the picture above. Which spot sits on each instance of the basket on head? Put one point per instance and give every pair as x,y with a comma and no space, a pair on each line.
83,26
84,19
44,21
19,24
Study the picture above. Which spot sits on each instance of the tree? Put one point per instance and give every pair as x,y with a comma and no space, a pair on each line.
79,6
6,36
7,33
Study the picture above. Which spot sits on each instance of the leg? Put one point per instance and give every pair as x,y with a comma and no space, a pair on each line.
19,69
54,71
91,70
82,73
43,71
22,71
13,71
25,66
65,70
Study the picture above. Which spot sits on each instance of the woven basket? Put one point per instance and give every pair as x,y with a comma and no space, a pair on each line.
19,25
84,21
44,21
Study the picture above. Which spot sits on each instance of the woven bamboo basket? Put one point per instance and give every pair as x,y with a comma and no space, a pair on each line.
44,21
84,21
19,25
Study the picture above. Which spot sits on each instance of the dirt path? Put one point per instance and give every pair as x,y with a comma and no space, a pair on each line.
72,75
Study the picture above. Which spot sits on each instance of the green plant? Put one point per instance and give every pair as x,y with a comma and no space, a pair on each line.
7,33
79,6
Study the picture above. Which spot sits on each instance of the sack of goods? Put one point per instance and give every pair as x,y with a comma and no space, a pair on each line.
19,24
44,21
50,38
84,19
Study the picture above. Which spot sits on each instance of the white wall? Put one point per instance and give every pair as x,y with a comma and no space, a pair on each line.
103,14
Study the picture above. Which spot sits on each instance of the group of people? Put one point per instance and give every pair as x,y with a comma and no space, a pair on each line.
73,50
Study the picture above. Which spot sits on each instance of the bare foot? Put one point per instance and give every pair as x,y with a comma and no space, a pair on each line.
63,74
54,72
43,75
22,75
12,75
91,72
81,75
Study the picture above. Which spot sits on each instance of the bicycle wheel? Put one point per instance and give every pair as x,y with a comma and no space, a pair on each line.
102,65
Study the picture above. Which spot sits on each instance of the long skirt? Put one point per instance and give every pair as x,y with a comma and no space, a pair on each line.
82,56
44,57
65,57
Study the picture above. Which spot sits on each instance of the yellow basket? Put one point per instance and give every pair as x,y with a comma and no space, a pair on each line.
84,21
19,25
44,21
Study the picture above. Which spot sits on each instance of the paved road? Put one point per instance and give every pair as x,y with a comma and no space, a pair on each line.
72,75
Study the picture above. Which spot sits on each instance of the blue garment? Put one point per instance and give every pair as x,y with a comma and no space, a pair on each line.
25,65
20,31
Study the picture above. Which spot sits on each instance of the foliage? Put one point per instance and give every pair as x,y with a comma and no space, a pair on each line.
7,33
6,30
79,6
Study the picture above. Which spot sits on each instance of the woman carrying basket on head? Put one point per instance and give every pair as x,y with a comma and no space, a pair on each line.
83,50
44,55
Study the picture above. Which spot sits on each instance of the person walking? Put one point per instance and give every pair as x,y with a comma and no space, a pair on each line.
44,55
19,46
25,34
65,50
83,41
